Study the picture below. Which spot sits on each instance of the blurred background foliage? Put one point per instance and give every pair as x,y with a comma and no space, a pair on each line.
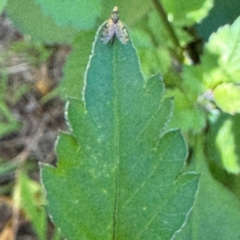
44,50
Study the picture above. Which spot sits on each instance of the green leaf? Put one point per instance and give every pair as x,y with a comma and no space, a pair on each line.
79,14
154,22
187,12
31,198
148,52
84,14
35,51
224,45
28,17
223,12
226,96
223,141
187,115
72,81
199,14
226,145
2,4
7,168
7,121
216,213
158,31
219,71
118,175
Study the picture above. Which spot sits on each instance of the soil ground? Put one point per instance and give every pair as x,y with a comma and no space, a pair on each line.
39,121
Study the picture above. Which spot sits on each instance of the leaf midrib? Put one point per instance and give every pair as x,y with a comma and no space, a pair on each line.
116,140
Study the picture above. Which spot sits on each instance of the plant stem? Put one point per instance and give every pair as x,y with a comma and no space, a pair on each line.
167,24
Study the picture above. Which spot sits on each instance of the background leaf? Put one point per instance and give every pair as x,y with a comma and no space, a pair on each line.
186,116
223,12
216,213
187,12
74,70
223,141
28,17
219,71
8,122
122,172
83,15
31,199
79,14
226,145
224,44
226,96
2,4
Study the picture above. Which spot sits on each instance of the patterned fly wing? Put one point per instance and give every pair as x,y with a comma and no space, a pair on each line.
114,28
108,31
121,32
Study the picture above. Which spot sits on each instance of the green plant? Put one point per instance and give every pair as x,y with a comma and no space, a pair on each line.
116,152
114,127
8,122
34,52
28,197
2,4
